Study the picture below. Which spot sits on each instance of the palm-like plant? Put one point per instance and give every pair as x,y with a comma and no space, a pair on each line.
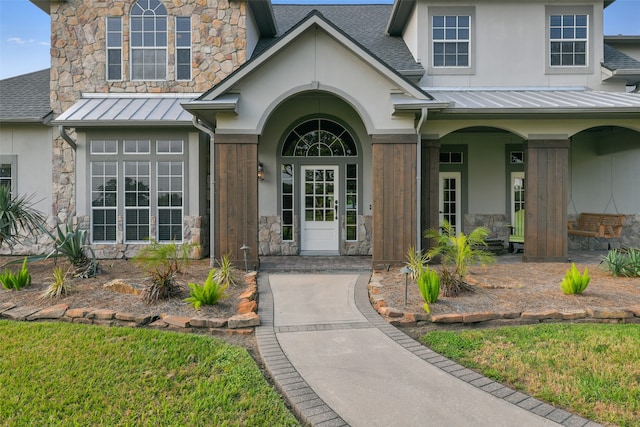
18,217
457,253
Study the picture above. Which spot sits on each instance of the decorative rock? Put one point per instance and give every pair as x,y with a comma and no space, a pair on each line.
390,312
248,295
243,321
609,313
77,312
221,332
542,315
422,316
53,312
138,319
179,321
19,313
122,287
635,310
247,307
6,306
83,321
199,322
510,314
406,322
158,324
479,317
102,314
447,318
574,314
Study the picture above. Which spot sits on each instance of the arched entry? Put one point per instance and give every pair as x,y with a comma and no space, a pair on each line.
319,185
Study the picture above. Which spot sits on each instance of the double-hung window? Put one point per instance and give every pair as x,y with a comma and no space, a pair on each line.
7,172
148,40
568,40
451,38
137,190
183,48
114,48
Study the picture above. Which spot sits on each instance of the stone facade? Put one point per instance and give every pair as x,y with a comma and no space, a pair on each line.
498,225
78,65
270,237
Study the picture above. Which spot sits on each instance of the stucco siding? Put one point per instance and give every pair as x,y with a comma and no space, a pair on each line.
30,146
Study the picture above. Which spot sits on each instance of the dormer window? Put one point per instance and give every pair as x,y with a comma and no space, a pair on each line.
568,40
148,40
451,40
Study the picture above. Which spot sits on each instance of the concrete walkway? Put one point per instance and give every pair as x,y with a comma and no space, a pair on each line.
340,364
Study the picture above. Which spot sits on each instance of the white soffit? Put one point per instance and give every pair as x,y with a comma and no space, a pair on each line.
535,101
127,110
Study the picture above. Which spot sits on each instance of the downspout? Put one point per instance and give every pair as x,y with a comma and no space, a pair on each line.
209,131
423,118
67,138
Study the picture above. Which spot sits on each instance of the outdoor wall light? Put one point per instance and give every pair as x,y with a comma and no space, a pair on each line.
260,171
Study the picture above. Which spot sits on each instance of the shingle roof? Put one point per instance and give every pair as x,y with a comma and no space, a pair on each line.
618,60
366,24
25,98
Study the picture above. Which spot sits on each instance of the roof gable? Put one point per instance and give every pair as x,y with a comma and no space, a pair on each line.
315,19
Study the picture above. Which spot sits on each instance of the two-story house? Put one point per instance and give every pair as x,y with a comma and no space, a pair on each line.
336,129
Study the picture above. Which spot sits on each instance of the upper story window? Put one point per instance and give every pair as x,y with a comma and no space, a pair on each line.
114,48
451,37
148,38
569,35
568,38
183,48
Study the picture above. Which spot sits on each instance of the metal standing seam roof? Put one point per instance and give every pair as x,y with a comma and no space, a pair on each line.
532,100
128,110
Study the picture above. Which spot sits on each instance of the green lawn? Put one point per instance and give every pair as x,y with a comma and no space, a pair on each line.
59,374
589,369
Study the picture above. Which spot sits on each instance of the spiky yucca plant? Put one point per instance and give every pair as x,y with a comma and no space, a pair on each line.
225,273
574,282
457,253
415,261
18,217
59,286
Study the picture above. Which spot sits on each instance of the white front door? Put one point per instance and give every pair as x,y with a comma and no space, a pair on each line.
450,196
320,225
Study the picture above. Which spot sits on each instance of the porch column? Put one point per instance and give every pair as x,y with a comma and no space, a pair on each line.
430,217
546,198
394,197
235,201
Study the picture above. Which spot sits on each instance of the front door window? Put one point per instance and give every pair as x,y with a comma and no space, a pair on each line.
320,198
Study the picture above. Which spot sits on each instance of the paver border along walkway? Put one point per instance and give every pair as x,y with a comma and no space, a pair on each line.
312,410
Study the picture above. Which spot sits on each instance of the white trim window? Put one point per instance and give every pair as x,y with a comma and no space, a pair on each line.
451,38
114,48
8,172
568,40
183,48
137,190
148,39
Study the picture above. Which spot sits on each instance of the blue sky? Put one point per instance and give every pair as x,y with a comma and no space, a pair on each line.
24,30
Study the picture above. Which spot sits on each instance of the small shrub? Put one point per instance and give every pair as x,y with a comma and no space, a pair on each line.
574,282
59,286
225,273
18,280
209,293
162,262
429,284
416,260
623,263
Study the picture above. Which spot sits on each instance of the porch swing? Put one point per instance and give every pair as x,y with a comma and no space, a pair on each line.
597,225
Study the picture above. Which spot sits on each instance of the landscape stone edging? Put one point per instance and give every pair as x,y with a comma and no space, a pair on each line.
398,317
239,324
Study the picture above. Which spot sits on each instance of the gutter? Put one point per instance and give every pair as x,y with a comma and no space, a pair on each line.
200,125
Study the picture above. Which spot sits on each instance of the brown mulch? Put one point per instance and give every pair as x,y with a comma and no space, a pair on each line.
516,287
90,293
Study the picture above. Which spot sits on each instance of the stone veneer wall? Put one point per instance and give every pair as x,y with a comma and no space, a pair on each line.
270,237
78,66
498,225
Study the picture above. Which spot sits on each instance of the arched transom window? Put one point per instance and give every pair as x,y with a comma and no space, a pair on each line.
148,40
319,138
